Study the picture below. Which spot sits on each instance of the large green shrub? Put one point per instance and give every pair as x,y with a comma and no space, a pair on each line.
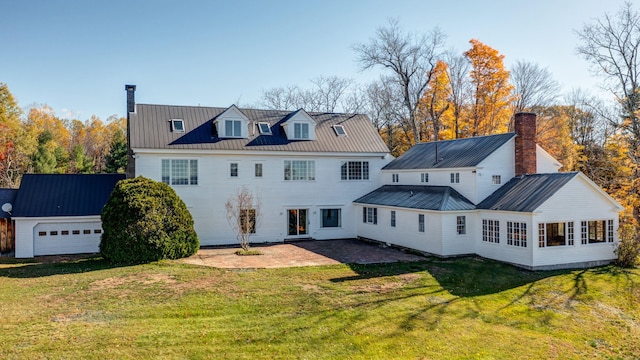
145,220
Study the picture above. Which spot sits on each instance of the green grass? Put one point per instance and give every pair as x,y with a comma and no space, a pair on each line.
435,309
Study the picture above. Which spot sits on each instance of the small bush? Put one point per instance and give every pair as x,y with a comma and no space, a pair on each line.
145,220
628,249
243,252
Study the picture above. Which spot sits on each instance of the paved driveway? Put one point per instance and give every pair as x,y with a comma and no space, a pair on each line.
301,253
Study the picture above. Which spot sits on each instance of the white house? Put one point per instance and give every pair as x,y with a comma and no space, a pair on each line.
305,168
329,176
484,196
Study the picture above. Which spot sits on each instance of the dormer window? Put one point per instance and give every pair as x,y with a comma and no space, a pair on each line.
264,128
299,126
339,129
301,131
177,125
232,123
233,128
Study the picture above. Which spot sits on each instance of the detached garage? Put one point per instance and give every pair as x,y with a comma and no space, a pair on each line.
60,213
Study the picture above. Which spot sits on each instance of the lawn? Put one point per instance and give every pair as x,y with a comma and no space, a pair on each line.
436,309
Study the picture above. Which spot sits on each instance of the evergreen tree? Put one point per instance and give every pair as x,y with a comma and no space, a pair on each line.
116,159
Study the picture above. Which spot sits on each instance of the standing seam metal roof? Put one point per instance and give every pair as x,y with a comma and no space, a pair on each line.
526,193
443,198
450,153
45,195
7,196
150,129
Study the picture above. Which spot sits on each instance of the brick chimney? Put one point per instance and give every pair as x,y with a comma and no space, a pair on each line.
131,107
525,127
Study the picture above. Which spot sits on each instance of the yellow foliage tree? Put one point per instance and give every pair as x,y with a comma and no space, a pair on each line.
434,105
493,94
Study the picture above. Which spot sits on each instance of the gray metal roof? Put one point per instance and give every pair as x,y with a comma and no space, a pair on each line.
418,197
45,195
526,193
150,129
7,196
458,153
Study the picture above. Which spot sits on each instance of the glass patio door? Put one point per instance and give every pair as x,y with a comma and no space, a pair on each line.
298,222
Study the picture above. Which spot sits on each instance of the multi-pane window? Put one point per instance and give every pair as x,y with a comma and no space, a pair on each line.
461,225
395,178
421,222
257,170
301,130
517,233
233,169
597,231
299,170
424,177
233,128
369,215
555,234
393,218
491,231
455,178
354,170
570,234
331,218
610,230
180,171
496,179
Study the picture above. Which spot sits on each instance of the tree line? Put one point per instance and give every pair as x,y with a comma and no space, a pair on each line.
36,141
427,93
424,93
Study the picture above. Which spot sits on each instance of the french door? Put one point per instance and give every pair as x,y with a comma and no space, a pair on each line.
298,222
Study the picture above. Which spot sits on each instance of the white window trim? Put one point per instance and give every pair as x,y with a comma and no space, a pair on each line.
189,175
260,123
173,125
362,170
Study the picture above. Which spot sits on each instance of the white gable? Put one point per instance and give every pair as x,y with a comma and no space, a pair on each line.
300,126
545,163
232,123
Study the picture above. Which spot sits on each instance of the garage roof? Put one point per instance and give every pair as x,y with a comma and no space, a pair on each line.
7,196
47,195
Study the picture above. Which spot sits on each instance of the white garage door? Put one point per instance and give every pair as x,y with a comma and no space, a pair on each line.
67,238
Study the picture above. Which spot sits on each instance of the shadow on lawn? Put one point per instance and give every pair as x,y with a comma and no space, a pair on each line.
463,277
52,265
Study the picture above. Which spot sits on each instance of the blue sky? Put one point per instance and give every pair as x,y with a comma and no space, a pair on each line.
76,56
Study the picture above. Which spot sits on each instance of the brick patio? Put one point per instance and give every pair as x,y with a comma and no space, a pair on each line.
301,253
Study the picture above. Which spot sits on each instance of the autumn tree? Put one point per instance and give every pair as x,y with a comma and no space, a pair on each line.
459,97
410,59
13,143
611,45
435,102
492,93
384,107
534,86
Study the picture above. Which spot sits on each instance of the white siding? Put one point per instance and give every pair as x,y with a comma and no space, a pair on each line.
546,163
206,200
577,201
437,177
454,243
29,244
501,162
501,251
406,232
